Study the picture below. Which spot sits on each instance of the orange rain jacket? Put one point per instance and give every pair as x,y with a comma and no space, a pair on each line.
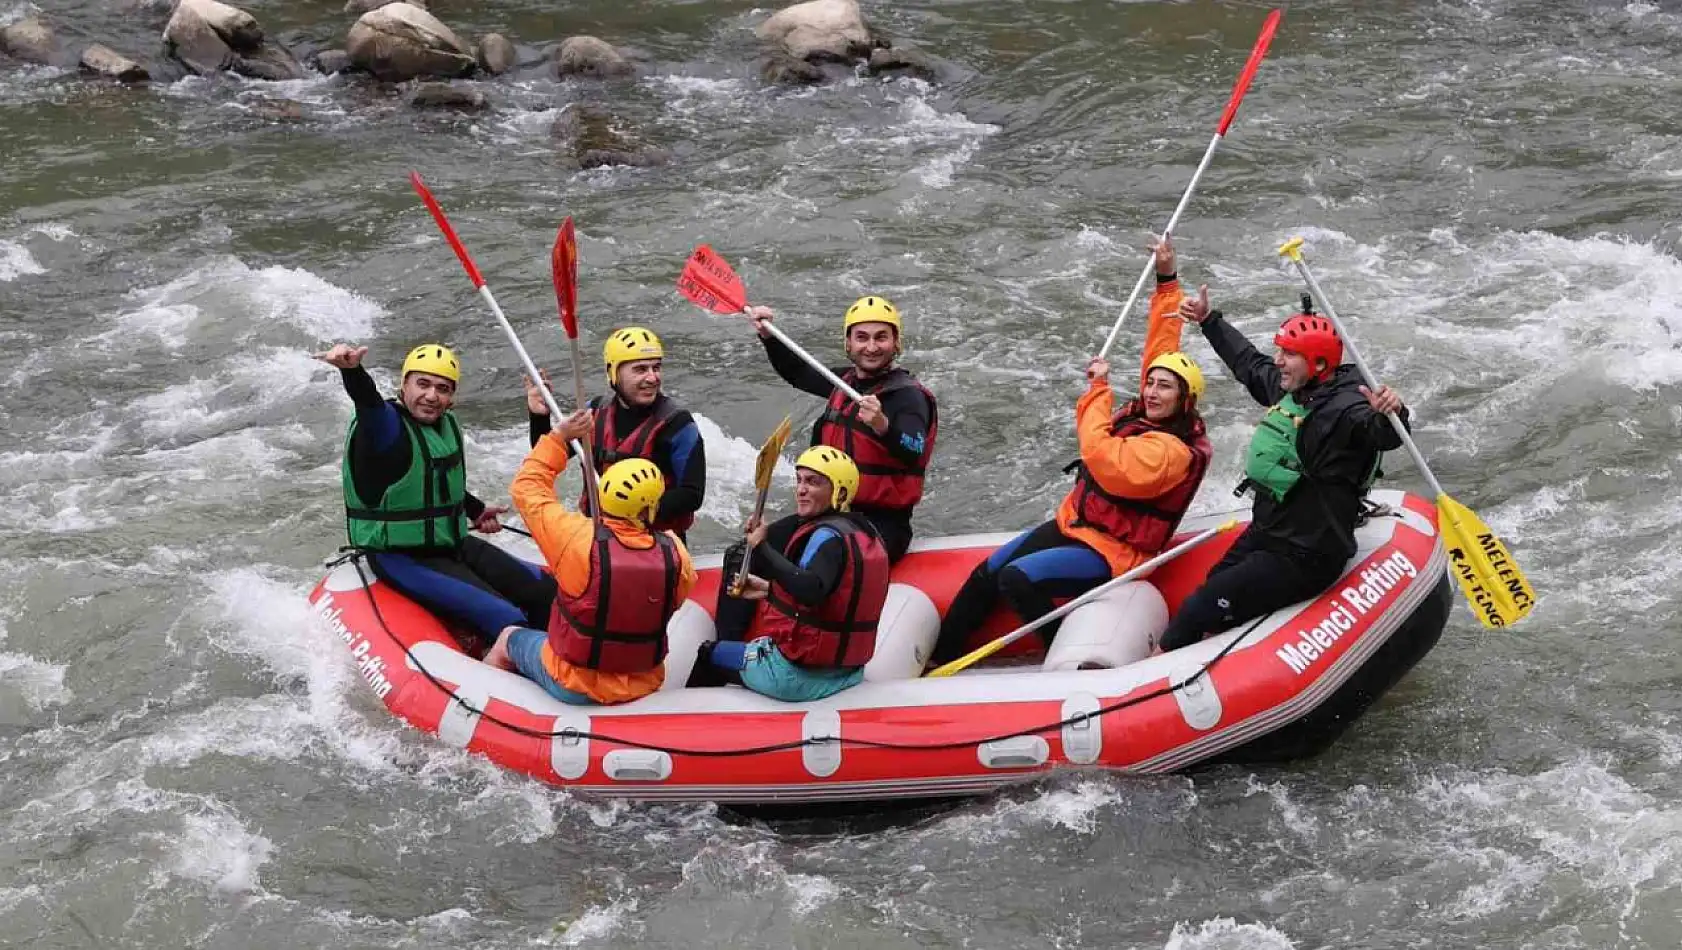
1142,466
567,539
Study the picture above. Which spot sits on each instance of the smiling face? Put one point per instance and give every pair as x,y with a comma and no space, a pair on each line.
872,347
1162,395
427,397
639,382
1294,370
812,493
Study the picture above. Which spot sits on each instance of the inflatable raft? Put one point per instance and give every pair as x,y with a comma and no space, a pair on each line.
1274,689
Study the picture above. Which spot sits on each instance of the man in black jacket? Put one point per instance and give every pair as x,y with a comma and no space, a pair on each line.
1309,465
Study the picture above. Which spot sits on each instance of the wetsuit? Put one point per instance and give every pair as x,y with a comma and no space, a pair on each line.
908,440
473,582
1295,546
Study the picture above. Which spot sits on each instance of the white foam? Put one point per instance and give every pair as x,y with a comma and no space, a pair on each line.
1225,933
598,923
39,684
16,261
730,465
229,288
216,849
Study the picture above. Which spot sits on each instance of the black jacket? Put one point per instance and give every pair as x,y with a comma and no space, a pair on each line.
1339,443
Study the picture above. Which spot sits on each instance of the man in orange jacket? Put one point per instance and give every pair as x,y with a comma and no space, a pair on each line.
618,582
1139,470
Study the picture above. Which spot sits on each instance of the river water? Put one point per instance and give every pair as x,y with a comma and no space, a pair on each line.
1490,191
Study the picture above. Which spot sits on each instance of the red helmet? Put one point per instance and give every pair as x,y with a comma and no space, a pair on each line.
1312,336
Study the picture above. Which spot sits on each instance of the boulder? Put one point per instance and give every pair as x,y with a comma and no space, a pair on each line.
589,56
103,61
330,61
208,37
903,61
819,30
401,41
593,137
359,7
781,68
30,40
496,54
442,95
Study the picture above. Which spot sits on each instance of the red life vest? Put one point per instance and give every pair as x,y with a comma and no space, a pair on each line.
841,631
1144,524
884,480
637,444
618,623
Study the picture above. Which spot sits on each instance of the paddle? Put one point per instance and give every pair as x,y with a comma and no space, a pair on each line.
709,283
1489,577
1257,53
490,301
563,266
763,467
981,653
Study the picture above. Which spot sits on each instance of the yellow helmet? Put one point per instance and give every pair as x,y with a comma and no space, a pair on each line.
1181,365
628,346
872,310
631,489
435,359
835,465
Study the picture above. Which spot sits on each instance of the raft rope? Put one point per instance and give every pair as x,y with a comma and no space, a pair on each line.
355,558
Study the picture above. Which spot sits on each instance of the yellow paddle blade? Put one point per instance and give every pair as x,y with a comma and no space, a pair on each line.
768,454
1489,577
1292,249
970,659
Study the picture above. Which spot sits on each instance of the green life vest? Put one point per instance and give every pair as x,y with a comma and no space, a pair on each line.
1271,463
423,509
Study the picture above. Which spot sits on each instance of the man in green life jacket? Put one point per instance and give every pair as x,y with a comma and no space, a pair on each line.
1309,465
407,504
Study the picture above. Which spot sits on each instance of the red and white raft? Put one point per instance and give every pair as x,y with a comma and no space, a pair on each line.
1273,690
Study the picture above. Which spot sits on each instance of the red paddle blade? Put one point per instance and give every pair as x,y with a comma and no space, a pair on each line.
709,283
1257,54
563,264
444,226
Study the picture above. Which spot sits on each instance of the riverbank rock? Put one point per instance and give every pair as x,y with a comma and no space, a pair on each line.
30,40
209,37
400,41
359,7
903,61
104,61
784,69
593,137
330,61
496,54
442,95
819,30
589,56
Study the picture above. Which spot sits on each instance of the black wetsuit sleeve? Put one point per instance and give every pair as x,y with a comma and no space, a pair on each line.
471,504
908,424
816,580
379,451
681,451
1249,365
538,425
796,371
1373,430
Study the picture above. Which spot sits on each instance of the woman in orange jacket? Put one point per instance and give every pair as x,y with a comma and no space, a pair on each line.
618,582
1137,474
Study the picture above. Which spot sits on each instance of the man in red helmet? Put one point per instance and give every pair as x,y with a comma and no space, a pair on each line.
1309,464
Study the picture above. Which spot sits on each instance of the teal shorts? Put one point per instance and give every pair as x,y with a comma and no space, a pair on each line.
769,673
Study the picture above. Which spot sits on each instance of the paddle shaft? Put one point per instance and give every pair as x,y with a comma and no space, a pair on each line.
589,453
1366,372
758,514
1150,264
811,360
984,652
